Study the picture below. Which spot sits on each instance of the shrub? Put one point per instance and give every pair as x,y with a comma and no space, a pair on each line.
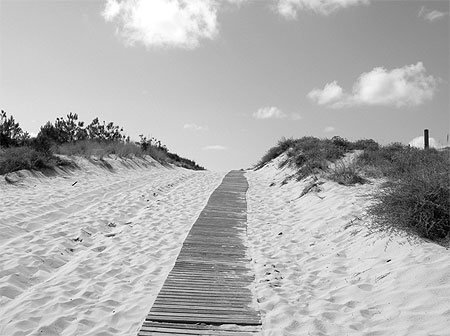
183,162
417,196
10,132
311,155
17,158
68,136
365,144
382,160
341,142
282,146
346,174
88,148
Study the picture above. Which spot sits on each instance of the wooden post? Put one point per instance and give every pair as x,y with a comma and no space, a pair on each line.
426,139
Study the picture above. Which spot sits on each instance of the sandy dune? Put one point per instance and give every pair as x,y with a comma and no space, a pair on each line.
320,271
89,258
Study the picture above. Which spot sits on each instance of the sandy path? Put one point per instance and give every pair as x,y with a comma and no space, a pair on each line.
319,271
89,259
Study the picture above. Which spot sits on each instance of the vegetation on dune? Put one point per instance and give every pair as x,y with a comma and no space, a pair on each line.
415,197
69,136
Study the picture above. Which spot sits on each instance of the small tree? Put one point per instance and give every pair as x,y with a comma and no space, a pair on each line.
104,132
10,132
69,129
46,138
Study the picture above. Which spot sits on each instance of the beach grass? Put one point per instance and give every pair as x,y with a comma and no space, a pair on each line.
69,137
415,196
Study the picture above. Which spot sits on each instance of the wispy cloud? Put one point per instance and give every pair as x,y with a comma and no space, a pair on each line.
290,8
194,127
431,15
272,112
165,23
269,112
329,129
405,86
215,147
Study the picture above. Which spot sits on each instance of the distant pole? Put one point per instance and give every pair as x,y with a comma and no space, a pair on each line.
426,139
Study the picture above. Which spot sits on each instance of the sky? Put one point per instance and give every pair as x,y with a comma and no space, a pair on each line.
220,82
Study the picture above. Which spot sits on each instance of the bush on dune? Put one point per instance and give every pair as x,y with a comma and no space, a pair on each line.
88,148
416,196
68,136
312,155
18,158
346,174
282,146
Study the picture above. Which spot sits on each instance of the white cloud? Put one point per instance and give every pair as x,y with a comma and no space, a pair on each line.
184,23
164,23
419,142
329,129
431,15
215,147
290,8
406,86
112,9
269,112
194,127
331,93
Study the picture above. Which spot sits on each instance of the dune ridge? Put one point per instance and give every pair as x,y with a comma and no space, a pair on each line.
321,271
85,252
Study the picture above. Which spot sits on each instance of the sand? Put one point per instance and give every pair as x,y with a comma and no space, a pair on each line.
321,271
86,252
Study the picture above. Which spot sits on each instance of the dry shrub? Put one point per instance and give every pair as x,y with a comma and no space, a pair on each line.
18,158
417,196
346,174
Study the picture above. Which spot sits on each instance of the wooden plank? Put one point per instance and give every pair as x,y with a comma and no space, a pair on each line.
201,300
205,304
207,311
190,292
207,286
197,329
175,331
178,296
200,326
195,318
180,279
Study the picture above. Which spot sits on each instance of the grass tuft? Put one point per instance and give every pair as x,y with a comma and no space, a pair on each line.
346,174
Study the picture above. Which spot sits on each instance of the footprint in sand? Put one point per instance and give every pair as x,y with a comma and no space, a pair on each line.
340,270
351,304
365,287
356,326
99,248
369,313
331,316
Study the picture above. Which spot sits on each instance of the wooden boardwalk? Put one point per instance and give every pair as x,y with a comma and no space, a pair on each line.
208,290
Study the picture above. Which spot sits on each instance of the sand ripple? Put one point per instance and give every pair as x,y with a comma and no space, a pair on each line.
90,258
